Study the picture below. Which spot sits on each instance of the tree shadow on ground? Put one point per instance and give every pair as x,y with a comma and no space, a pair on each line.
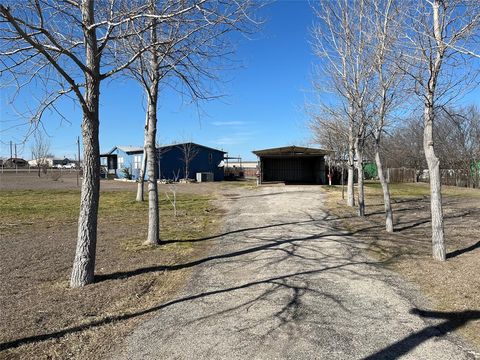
165,242
320,232
239,196
414,224
267,246
288,314
411,225
407,200
452,321
464,250
382,212
114,318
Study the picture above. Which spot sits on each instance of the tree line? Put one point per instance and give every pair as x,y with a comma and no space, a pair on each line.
390,77
458,149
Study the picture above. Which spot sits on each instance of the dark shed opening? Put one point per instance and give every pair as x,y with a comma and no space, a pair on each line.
292,165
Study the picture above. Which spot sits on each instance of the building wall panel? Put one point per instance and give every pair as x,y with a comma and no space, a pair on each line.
294,169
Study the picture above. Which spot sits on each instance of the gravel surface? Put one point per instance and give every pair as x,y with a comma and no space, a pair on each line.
284,283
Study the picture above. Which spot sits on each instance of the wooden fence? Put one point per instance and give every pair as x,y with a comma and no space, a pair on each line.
458,178
401,175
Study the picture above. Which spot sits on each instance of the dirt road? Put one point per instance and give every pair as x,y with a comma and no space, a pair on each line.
283,283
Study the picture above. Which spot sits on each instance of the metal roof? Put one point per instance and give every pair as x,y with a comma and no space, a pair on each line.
127,149
292,151
137,149
195,144
130,149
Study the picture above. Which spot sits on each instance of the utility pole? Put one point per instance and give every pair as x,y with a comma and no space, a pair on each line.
16,165
78,157
10,155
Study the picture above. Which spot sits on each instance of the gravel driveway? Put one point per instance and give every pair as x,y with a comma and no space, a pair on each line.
284,283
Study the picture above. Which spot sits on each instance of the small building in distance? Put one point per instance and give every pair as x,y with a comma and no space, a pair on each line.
15,163
182,160
122,161
52,162
292,165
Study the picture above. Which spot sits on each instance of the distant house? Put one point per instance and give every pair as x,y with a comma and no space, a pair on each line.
172,160
15,162
121,159
62,161
52,162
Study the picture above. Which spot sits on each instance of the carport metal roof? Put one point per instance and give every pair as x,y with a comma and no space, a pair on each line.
299,151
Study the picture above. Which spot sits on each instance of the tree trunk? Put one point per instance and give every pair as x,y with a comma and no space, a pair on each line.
438,245
351,170
153,236
361,192
84,263
385,188
141,178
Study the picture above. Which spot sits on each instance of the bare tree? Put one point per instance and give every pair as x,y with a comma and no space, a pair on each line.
385,34
189,152
68,47
150,74
440,35
332,133
403,147
459,130
173,190
40,152
458,151
341,43
182,54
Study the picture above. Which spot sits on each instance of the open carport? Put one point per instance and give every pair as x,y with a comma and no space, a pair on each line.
292,164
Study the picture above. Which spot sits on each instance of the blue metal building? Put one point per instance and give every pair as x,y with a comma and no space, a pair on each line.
122,157
172,161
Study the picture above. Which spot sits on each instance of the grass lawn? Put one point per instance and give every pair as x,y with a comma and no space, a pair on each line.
41,317
453,286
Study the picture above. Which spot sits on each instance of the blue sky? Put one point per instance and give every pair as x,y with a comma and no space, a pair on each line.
263,104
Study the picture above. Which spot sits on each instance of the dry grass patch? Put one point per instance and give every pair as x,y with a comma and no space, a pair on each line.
42,317
452,286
